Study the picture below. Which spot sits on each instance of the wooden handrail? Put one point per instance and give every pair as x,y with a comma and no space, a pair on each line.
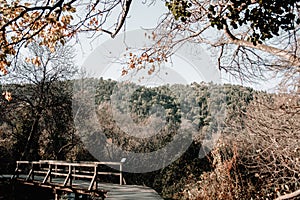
38,167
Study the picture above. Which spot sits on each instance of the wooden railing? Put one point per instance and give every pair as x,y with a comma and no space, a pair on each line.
49,169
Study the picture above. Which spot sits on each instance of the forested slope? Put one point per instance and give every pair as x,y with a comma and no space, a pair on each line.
242,123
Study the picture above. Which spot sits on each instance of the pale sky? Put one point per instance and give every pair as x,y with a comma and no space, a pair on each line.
90,54
140,16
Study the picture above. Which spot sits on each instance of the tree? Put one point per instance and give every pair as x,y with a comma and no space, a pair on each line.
268,147
40,109
53,22
248,37
257,156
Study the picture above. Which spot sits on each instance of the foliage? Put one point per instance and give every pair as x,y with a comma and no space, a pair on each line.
179,9
252,36
38,119
209,100
256,155
268,145
261,160
258,160
51,23
248,39
266,18
223,181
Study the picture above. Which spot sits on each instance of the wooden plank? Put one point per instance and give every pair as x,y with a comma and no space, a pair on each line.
112,191
110,173
59,174
40,172
83,171
128,192
23,162
108,163
83,176
78,189
73,164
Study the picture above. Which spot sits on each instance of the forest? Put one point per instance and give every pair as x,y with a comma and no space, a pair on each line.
255,154
202,140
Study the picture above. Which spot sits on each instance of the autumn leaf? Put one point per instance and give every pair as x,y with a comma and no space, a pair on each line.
27,60
3,68
7,95
151,70
144,56
131,65
124,72
36,61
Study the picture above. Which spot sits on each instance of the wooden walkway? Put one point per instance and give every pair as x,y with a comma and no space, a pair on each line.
80,178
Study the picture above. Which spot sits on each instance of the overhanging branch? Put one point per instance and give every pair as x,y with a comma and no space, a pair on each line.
293,59
125,11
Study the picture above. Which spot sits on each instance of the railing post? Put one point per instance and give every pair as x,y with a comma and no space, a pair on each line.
55,169
16,173
31,172
48,175
121,170
69,176
121,174
50,178
32,167
94,179
70,172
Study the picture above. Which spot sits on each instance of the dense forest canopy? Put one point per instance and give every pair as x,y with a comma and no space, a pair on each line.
248,114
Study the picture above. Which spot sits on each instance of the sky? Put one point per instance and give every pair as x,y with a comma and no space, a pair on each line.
141,15
186,68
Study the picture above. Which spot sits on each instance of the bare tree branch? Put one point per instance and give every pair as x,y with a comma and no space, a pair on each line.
289,196
287,55
121,22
